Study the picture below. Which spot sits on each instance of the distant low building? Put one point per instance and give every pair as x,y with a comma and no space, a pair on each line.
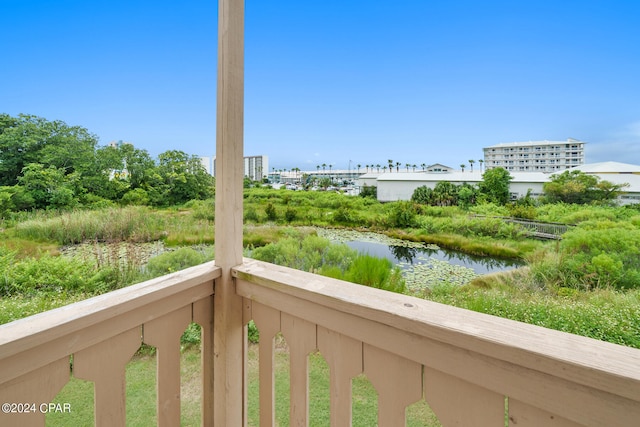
535,156
400,186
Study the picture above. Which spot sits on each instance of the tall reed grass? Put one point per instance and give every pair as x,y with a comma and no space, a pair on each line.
137,224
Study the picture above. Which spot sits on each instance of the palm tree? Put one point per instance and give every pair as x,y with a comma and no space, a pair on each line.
423,166
471,162
397,167
462,166
480,162
324,167
407,166
414,167
390,165
378,167
358,165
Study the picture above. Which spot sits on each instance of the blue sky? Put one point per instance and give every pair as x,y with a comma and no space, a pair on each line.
415,81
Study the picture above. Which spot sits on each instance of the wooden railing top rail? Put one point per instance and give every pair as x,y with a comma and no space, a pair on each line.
68,329
515,350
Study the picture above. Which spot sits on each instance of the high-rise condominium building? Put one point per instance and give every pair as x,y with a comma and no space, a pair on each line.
535,156
255,167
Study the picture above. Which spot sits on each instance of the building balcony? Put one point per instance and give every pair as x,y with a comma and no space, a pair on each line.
472,369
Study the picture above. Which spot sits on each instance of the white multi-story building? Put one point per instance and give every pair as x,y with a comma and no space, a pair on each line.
535,156
255,167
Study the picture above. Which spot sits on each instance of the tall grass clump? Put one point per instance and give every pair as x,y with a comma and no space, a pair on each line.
52,275
133,223
172,261
319,255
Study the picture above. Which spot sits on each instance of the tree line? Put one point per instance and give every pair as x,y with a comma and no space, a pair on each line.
51,165
571,186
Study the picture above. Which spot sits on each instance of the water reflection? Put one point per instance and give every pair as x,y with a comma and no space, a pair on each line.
415,255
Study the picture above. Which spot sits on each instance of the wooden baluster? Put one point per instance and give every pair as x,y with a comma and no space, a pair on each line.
523,415
164,333
344,357
301,337
104,364
267,321
36,387
459,403
397,380
203,316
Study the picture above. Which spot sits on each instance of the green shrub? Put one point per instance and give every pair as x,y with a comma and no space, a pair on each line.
136,196
191,335
271,212
403,215
369,191
52,274
423,195
376,273
170,262
345,215
290,214
490,209
253,332
601,258
251,215
522,211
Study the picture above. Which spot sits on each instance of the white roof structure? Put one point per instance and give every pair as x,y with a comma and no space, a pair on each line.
609,168
394,186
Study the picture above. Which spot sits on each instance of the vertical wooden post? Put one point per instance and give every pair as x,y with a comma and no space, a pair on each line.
228,342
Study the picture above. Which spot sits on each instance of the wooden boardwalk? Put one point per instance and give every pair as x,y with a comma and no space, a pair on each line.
537,229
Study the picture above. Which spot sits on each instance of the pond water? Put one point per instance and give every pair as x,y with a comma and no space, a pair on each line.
422,265
404,255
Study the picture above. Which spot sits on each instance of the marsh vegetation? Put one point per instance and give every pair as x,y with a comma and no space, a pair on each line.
587,283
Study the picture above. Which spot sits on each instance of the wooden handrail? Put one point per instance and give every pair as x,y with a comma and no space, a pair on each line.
542,372
102,333
466,365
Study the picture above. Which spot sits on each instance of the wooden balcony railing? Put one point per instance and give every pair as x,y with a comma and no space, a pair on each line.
102,334
472,369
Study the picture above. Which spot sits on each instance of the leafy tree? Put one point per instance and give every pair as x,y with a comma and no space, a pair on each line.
369,191
325,182
184,177
423,195
495,185
444,194
48,187
467,195
30,139
575,186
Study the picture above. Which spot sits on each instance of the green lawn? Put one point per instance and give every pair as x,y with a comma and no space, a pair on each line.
141,395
